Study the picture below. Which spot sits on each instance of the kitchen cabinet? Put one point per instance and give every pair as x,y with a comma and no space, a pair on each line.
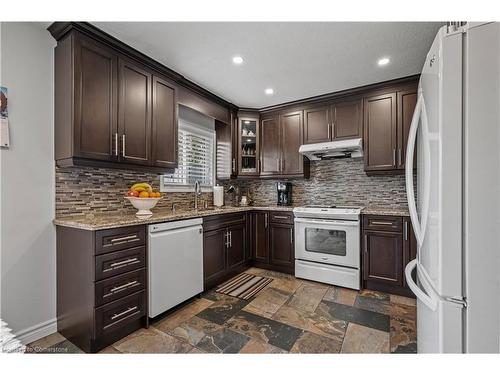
248,145
380,132
387,120
340,120
388,245
164,128
281,135
281,245
224,247
111,110
273,246
134,112
236,246
270,151
260,236
409,244
101,284
292,162
407,100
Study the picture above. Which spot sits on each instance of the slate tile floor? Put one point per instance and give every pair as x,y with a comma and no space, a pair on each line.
289,316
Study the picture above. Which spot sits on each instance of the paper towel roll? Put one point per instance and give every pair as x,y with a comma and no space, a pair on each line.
218,196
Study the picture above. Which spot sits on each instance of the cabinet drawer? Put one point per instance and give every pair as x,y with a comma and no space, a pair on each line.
117,314
220,221
119,286
383,223
115,239
119,262
281,217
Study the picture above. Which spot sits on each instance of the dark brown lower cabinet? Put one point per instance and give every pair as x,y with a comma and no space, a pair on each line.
224,247
388,245
101,285
273,243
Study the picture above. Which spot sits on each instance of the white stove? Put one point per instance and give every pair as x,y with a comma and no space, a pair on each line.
327,244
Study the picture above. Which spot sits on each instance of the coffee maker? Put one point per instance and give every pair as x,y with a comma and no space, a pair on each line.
284,193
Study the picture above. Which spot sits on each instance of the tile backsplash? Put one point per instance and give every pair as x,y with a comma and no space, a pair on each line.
81,190
342,181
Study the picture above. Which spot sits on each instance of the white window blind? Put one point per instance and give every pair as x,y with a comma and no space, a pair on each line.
196,158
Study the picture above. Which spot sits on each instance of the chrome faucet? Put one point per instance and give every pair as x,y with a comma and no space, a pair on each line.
197,192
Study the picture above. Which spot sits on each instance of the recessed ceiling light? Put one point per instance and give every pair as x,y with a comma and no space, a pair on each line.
238,60
269,91
246,122
384,61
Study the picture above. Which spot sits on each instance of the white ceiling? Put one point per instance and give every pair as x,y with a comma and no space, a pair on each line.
297,60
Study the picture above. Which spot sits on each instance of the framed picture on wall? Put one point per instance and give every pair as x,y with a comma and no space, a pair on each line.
4,118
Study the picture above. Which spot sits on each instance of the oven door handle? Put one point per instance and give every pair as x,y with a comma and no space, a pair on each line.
329,222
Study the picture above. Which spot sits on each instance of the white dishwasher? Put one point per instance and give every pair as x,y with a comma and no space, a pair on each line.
175,263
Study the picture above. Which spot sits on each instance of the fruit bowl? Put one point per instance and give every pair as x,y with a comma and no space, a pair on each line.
143,205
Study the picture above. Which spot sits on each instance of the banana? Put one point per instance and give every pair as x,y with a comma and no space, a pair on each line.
141,186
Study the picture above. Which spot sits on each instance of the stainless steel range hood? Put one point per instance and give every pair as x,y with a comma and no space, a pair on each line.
348,148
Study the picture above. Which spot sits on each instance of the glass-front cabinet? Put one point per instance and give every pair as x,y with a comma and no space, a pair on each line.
248,151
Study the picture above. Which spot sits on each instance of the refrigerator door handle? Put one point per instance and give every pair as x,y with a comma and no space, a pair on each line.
419,293
419,114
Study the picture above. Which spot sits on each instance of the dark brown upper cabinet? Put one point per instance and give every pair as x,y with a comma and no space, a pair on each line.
292,162
270,155
407,100
165,119
111,110
387,120
340,120
85,116
281,135
380,132
248,145
317,125
347,119
134,113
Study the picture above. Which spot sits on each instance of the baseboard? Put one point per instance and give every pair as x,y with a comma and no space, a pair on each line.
37,331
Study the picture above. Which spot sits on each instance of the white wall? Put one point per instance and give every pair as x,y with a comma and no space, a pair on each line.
28,269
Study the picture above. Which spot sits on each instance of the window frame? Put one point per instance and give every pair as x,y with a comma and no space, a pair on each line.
178,188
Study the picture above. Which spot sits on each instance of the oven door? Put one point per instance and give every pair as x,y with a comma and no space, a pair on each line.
327,241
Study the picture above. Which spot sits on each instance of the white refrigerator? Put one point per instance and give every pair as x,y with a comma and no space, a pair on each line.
455,211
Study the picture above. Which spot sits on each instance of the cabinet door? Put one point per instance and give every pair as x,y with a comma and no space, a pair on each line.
383,257
292,162
236,249
317,125
95,96
347,117
270,146
214,256
409,244
164,130
380,132
249,146
260,237
134,113
281,245
407,101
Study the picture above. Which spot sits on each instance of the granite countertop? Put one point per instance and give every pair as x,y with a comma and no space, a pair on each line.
114,220
387,211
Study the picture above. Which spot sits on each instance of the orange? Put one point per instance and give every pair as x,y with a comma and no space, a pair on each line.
143,194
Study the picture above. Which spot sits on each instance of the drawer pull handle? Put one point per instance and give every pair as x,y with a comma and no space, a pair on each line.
382,223
130,309
124,286
281,217
123,239
124,263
